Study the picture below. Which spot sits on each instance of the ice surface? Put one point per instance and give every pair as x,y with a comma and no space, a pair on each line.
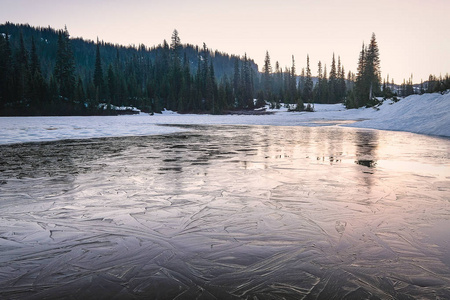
306,209
227,212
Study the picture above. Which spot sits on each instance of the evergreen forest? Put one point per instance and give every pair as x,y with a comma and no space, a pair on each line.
44,71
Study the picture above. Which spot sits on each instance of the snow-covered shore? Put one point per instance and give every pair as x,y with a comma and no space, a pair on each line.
426,114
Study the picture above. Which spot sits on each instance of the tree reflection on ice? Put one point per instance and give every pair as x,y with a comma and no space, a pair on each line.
234,212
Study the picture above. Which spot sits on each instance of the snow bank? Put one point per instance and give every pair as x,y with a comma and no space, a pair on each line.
427,114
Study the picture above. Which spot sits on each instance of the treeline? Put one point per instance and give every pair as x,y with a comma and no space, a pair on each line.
368,86
286,86
433,85
45,72
48,73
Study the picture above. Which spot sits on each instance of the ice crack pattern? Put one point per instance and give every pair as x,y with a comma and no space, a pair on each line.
227,212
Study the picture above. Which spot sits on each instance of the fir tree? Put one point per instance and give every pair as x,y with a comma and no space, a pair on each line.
360,84
302,80
6,74
293,92
318,87
98,73
64,72
341,87
307,91
325,90
211,87
175,73
175,45
247,83
267,79
21,76
237,84
332,82
37,83
5,70
368,76
372,67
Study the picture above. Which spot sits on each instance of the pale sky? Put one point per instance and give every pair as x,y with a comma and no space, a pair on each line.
413,36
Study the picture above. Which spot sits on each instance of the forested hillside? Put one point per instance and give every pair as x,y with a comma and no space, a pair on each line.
44,71
97,72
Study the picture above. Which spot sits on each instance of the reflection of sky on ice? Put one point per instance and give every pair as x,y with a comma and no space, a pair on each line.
229,211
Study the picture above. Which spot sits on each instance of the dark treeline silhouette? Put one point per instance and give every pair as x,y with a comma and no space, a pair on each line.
368,86
45,72
286,86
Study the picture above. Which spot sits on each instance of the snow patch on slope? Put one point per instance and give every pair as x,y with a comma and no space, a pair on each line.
426,114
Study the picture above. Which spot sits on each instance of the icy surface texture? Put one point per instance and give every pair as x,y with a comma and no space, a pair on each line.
227,212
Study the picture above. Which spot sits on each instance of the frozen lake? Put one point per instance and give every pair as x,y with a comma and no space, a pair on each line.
228,212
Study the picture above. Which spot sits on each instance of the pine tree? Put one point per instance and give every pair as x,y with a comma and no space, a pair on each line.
98,73
317,92
302,81
307,91
21,76
247,84
205,91
237,84
293,92
341,88
175,73
360,83
372,68
332,82
212,89
175,45
325,89
6,72
278,85
38,87
267,77
64,72
368,77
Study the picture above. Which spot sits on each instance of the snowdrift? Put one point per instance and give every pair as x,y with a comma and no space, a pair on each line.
426,114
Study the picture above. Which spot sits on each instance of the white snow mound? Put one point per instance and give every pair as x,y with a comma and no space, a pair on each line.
426,114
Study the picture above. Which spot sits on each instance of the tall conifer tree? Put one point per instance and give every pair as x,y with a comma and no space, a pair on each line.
267,77
64,72
98,74
368,75
307,91
332,81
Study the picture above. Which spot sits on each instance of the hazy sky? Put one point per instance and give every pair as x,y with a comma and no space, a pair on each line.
413,36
